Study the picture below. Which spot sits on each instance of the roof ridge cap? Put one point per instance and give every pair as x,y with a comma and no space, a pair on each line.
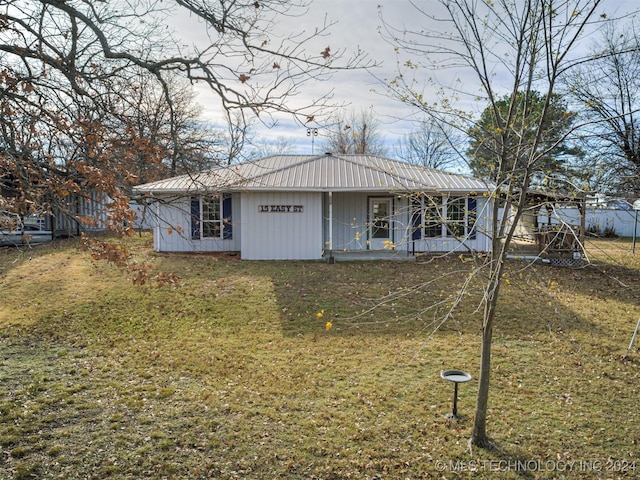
382,170
302,161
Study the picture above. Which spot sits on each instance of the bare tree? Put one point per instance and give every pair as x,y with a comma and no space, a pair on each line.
68,70
607,90
355,133
144,119
511,48
64,64
265,148
431,145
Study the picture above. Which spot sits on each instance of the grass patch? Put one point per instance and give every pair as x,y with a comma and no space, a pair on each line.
234,375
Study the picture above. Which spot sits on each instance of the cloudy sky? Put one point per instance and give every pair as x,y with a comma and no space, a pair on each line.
357,25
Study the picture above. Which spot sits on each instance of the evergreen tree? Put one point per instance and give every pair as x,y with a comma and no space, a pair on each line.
511,124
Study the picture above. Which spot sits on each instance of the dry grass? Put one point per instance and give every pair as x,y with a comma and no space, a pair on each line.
233,375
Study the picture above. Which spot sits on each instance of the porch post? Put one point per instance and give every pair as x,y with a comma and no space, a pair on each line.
330,226
583,220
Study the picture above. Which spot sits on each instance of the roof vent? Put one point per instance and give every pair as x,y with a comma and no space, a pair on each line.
327,153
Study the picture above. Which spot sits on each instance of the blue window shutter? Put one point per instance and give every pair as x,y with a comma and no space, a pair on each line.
416,222
195,219
472,206
227,225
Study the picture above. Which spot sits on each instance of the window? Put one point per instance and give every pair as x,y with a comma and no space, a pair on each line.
456,215
461,217
431,214
381,218
211,217
432,217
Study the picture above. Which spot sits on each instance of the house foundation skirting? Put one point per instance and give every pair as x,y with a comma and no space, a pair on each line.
369,255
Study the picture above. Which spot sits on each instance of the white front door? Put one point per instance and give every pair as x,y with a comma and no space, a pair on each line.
380,223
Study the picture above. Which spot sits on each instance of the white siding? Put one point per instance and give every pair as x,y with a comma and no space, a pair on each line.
144,216
281,235
301,236
350,221
172,231
349,215
350,232
481,243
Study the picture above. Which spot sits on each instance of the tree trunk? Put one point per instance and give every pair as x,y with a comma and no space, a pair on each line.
479,435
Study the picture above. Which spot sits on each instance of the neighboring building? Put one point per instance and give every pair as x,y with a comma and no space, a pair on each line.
76,214
82,213
306,207
604,201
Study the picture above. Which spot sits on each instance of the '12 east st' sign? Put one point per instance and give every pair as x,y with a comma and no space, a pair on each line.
280,208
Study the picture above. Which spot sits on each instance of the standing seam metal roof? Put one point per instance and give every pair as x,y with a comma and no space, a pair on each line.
325,172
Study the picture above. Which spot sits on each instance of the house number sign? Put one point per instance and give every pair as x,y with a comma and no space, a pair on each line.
280,208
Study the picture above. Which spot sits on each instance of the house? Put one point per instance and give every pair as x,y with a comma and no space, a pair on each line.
306,207
71,216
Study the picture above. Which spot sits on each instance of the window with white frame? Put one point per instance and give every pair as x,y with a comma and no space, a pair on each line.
211,217
432,217
442,216
456,216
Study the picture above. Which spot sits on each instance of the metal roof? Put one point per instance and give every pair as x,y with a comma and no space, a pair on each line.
327,172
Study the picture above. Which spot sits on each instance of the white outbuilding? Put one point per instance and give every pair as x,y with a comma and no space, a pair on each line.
310,207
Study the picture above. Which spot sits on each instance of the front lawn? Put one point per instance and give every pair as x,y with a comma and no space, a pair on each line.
309,370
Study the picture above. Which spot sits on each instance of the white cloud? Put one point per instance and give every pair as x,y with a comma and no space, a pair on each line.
357,27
